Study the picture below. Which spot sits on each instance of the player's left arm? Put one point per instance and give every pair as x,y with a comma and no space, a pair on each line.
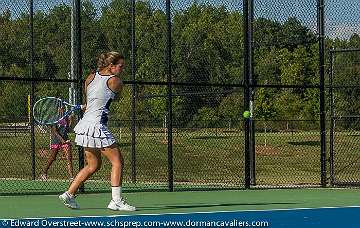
116,85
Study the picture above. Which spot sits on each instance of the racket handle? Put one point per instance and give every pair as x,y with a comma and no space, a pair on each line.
79,106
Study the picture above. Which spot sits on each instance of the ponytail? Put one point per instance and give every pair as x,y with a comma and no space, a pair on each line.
108,58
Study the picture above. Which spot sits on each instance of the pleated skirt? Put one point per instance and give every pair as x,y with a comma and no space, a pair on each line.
93,135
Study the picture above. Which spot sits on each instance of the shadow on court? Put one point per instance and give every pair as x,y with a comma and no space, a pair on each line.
192,206
305,143
211,137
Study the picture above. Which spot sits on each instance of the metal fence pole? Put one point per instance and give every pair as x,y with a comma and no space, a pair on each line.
332,120
77,70
321,32
133,106
252,96
31,72
169,102
247,72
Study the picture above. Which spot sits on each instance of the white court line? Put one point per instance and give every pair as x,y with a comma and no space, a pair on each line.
184,213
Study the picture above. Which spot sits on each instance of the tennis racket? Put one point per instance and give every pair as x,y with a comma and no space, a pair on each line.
50,110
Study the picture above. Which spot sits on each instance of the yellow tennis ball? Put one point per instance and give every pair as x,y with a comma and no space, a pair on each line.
246,114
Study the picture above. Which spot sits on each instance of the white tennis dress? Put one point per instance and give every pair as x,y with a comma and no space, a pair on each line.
92,131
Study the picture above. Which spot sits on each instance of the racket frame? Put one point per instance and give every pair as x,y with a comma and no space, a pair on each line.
66,114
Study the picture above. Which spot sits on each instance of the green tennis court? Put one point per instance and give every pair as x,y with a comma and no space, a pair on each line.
40,206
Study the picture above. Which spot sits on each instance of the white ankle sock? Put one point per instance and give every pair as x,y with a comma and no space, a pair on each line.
116,193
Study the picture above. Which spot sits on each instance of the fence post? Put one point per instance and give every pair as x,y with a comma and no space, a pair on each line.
252,96
31,72
332,117
169,103
77,69
133,105
321,32
247,73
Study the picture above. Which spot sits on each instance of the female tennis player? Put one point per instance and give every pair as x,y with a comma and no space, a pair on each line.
60,141
93,134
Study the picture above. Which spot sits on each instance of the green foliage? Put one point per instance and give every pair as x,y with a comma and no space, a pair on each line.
231,106
264,106
206,117
207,47
121,108
116,27
157,106
14,97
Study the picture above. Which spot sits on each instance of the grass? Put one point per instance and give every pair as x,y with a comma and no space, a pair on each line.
201,158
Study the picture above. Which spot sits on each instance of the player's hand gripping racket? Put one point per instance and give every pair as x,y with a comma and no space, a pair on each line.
50,110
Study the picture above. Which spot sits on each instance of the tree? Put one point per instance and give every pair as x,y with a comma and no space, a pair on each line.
231,107
115,24
206,117
264,105
293,34
14,102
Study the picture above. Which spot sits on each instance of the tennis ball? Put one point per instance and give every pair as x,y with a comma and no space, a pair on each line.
246,114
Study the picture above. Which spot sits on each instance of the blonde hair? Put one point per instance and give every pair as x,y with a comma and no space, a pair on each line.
108,58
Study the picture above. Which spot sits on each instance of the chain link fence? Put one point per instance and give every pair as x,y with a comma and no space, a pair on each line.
343,80
192,68
287,120
344,116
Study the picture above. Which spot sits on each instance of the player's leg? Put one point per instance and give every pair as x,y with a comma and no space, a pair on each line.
54,148
68,154
117,163
93,159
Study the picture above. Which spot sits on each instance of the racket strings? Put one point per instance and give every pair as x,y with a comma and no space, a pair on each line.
49,110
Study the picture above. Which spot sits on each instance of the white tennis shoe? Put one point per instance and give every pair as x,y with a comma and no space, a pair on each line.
122,205
43,177
69,201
